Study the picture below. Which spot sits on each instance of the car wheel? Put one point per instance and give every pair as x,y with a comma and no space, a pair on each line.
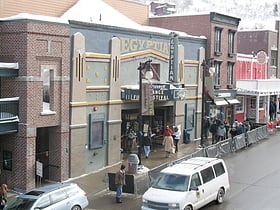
188,208
76,208
220,196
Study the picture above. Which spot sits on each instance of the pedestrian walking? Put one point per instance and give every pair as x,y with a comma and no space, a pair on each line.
147,144
120,182
213,130
3,193
176,136
168,145
206,126
167,131
221,132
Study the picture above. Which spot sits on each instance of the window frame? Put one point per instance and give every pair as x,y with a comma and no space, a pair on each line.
219,169
207,174
230,73
217,75
218,41
231,36
273,60
96,133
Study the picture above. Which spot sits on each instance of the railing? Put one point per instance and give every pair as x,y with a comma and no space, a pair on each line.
9,111
219,149
9,108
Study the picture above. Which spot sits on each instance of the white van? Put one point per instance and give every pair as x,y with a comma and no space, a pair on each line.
188,185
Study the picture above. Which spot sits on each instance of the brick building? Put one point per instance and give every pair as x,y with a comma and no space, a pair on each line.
41,51
221,33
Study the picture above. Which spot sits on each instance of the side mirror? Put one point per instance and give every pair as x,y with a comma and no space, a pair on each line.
194,188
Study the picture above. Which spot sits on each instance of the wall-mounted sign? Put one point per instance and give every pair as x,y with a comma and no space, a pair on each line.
160,92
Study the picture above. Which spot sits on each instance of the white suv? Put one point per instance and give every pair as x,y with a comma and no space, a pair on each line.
59,196
188,185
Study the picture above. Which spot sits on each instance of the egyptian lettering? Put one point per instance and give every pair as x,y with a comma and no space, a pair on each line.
133,45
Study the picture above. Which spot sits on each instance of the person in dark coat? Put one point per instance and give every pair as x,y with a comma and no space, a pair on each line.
147,144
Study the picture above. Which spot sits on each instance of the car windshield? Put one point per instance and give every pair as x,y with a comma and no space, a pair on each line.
20,203
173,182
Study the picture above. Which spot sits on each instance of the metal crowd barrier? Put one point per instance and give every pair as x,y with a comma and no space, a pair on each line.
219,149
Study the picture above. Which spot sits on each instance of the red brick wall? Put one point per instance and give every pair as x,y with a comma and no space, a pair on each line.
26,42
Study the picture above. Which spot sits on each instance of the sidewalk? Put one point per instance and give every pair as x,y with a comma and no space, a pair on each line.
97,182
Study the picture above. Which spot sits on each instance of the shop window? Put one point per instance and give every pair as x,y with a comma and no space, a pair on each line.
7,160
253,103
239,107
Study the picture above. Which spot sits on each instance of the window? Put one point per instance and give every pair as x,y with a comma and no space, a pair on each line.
58,196
231,43
195,181
96,132
47,77
207,174
44,202
219,169
218,40
273,60
230,73
217,78
7,160
239,107
253,104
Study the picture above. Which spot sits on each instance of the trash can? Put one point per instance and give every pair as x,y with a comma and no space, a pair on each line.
133,161
187,136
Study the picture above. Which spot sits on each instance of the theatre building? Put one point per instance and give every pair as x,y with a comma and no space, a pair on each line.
105,89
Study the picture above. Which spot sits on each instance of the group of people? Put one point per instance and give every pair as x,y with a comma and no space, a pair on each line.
171,139
221,130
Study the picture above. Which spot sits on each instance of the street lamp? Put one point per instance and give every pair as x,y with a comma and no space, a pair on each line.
210,72
149,76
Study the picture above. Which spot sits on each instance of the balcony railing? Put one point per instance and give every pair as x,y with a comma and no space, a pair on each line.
9,111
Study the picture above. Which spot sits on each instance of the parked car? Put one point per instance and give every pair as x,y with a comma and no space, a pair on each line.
188,185
58,196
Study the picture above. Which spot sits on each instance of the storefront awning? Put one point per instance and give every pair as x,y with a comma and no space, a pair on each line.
221,102
233,101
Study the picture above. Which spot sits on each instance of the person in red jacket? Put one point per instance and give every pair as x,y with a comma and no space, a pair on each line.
167,131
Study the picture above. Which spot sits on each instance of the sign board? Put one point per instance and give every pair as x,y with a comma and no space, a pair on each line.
39,168
147,100
261,57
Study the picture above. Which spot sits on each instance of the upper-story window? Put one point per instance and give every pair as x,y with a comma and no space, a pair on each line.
218,40
231,43
230,74
217,79
47,74
273,60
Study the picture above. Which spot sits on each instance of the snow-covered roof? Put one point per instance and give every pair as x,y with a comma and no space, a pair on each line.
23,16
97,12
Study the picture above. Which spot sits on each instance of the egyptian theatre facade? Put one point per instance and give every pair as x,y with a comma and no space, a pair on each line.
105,91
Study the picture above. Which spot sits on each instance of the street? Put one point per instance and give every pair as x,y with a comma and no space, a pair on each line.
254,174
